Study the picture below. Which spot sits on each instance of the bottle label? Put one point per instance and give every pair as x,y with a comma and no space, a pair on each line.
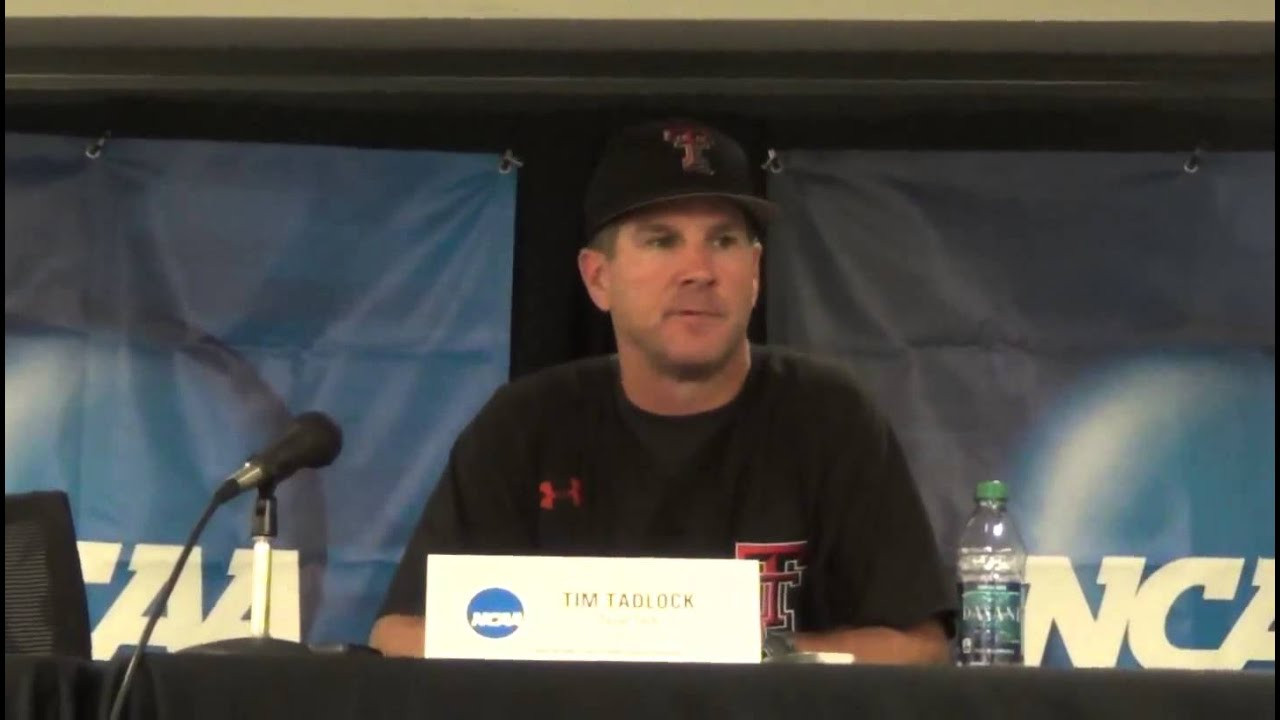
991,623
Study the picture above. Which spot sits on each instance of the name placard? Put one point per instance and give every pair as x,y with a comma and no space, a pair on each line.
589,608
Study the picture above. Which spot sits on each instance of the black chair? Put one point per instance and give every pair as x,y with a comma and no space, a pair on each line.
45,608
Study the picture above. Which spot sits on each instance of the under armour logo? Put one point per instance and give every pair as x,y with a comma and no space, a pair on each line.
550,495
693,142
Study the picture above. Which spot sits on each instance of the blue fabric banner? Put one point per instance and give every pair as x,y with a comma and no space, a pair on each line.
170,304
1096,329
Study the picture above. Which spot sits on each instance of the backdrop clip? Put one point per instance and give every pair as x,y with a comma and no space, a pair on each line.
509,162
94,150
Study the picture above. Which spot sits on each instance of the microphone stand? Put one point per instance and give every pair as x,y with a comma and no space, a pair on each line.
262,528
312,440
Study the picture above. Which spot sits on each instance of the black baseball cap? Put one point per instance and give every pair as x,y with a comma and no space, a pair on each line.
660,161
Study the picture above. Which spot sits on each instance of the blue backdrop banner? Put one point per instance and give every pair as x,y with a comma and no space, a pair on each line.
1098,330
170,304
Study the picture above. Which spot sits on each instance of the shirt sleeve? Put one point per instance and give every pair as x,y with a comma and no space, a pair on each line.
476,507
883,563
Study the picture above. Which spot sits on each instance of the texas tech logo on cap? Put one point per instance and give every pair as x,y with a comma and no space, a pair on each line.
693,142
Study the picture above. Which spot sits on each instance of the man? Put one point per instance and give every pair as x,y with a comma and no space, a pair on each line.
690,442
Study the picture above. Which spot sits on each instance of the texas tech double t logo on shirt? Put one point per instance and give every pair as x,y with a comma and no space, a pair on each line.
781,574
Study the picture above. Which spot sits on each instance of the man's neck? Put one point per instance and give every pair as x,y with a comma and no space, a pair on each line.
661,394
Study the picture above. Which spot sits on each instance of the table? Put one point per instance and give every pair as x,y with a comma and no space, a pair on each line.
193,687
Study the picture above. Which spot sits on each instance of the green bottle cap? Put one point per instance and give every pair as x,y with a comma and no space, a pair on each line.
992,490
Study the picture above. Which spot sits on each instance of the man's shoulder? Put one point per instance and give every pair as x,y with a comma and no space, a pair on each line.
554,397
806,370
557,385
815,384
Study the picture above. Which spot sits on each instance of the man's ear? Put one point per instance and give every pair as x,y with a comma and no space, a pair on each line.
757,249
594,268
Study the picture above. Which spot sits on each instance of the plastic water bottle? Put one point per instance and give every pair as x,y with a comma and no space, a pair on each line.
991,567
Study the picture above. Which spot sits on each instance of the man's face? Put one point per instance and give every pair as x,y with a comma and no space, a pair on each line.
680,284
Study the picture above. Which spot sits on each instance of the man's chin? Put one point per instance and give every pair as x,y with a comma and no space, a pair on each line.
693,367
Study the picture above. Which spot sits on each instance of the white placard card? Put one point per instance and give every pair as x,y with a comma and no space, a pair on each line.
588,608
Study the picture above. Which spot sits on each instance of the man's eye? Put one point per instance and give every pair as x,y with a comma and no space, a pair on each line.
729,240
660,241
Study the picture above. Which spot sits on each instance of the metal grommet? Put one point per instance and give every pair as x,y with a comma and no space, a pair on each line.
94,150
1193,162
509,162
774,163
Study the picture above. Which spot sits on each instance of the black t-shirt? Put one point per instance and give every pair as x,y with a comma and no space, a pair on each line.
798,472
671,440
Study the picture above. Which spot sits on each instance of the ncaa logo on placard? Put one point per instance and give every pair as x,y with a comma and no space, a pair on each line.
495,613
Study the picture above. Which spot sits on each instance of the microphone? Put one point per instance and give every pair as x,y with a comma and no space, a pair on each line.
312,440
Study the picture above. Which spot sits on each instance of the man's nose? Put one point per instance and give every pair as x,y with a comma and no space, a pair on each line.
696,265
